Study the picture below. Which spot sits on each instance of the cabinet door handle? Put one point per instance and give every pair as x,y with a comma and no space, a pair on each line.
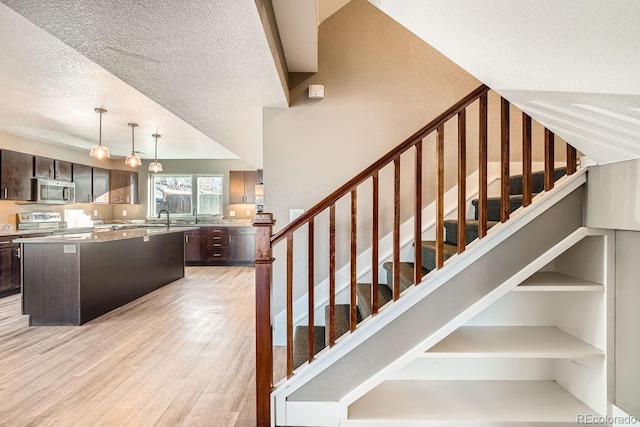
186,238
18,253
6,193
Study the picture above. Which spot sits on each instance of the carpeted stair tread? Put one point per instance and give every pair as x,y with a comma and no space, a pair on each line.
429,253
493,206
406,274
363,291
301,343
451,230
537,181
343,320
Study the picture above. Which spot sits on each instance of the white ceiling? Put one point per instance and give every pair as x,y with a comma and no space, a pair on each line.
198,72
571,65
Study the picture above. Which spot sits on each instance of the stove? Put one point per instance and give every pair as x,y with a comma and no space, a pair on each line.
39,220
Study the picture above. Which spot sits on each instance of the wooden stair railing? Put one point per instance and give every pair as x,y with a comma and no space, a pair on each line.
265,240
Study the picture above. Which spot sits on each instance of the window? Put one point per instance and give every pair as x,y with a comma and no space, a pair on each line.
180,194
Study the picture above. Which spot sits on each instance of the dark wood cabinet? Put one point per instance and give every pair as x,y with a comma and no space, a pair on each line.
16,171
63,170
220,245
195,246
217,244
242,186
123,187
52,169
242,245
100,185
9,268
81,176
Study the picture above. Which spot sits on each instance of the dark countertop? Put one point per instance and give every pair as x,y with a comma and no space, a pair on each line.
104,236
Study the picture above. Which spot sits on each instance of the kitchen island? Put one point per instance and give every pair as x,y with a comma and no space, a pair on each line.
74,278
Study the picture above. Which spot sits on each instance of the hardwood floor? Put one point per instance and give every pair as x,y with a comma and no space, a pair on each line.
183,355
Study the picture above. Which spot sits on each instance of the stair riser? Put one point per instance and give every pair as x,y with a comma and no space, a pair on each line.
493,207
537,181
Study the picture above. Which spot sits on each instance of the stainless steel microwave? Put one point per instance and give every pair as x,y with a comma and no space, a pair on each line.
53,191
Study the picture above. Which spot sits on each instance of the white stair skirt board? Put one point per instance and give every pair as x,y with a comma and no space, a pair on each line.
479,401
514,342
550,281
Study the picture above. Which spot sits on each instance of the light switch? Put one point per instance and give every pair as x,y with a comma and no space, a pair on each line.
248,212
232,213
124,212
95,212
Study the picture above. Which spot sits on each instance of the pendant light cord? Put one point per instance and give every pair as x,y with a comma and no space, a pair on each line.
100,131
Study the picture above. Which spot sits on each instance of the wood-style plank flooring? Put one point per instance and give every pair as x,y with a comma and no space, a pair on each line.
183,355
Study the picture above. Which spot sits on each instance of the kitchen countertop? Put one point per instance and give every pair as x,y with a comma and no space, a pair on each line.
104,236
26,232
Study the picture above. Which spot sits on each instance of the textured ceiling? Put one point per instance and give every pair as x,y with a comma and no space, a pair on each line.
207,62
571,65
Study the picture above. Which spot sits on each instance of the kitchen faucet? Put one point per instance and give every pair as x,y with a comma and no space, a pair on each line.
195,213
167,212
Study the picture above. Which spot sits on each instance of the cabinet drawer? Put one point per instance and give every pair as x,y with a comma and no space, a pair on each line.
217,231
214,244
217,254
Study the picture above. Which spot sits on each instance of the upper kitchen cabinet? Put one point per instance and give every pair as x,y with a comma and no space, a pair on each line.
16,171
81,176
123,187
52,169
242,186
100,185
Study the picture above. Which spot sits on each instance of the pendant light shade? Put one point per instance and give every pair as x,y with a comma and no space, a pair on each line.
155,166
100,151
133,159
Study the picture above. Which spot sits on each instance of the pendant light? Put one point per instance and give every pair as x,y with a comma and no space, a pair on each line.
100,151
155,166
133,160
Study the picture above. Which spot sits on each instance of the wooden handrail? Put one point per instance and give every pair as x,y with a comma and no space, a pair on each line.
379,164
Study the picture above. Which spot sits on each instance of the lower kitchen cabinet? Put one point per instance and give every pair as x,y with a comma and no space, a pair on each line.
218,245
9,268
195,246
242,245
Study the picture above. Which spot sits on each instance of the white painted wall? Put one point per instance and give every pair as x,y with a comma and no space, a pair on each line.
571,65
627,322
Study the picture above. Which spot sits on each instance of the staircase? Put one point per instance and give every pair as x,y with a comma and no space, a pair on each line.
362,342
407,269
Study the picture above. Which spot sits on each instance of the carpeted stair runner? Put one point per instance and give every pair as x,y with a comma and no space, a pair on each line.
385,294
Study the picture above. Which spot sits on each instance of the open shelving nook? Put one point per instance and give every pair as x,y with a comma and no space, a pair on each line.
539,354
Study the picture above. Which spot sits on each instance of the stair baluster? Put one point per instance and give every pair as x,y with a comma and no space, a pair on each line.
482,168
375,238
526,160
332,275
396,228
439,198
311,290
462,180
549,159
290,305
417,216
572,162
354,255
504,160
